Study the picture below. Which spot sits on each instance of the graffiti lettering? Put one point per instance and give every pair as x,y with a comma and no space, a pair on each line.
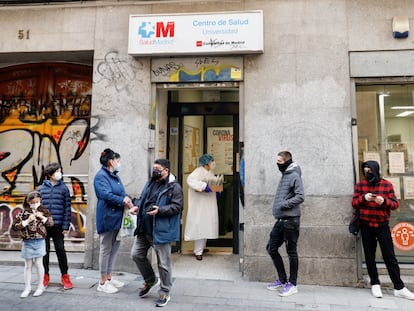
166,69
207,61
115,71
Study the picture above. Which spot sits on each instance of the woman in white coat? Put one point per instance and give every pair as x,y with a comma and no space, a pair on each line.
202,216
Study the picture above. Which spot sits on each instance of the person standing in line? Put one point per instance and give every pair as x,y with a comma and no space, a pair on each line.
375,198
286,210
158,224
202,216
56,198
112,199
32,223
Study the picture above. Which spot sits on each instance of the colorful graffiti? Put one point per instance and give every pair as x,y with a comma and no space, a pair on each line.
43,118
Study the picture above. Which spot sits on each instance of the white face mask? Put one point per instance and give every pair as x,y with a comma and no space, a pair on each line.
57,176
35,205
212,165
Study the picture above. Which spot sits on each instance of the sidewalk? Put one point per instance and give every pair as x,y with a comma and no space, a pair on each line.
189,293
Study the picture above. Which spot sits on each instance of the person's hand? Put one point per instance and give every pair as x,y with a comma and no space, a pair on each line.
31,218
134,210
153,211
369,197
379,200
128,202
39,215
64,232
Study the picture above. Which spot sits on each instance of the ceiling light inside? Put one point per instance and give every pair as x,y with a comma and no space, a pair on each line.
404,114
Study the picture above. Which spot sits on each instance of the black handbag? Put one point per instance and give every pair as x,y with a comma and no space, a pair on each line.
354,223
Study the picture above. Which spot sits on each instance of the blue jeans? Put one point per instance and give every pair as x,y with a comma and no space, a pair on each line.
285,230
139,254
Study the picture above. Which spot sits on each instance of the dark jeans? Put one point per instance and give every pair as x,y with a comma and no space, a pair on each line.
285,230
382,234
55,232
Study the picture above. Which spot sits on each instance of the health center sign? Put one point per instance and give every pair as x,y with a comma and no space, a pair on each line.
202,33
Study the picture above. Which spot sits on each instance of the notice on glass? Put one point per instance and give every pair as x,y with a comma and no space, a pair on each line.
396,162
408,187
220,146
372,156
396,184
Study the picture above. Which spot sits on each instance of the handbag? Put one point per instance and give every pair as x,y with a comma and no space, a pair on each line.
354,223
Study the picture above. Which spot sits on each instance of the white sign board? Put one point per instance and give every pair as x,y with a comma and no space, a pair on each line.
202,33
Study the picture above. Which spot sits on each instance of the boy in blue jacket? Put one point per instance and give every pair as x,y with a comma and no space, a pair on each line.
56,198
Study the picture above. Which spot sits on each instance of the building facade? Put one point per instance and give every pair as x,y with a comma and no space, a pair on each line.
318,78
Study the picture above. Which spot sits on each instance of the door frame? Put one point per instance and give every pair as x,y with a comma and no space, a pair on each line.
180,110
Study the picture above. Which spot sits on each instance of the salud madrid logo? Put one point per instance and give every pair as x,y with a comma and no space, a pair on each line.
156,30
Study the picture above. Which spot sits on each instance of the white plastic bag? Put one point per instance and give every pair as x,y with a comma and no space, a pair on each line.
128,224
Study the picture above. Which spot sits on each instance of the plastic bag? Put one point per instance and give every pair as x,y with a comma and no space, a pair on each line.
128,224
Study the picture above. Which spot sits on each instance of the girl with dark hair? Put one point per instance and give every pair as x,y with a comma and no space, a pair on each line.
31,223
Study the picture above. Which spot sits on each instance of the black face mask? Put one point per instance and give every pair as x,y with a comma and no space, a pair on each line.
370,177
283,166
156,174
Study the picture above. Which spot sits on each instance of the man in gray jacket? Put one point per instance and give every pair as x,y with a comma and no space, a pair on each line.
286,210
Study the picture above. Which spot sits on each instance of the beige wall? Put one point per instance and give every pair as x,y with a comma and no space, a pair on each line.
296,97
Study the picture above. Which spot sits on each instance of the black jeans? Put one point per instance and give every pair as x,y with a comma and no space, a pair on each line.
55,232
382,234
285,230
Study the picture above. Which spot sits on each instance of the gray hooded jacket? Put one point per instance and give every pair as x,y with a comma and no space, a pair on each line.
289,194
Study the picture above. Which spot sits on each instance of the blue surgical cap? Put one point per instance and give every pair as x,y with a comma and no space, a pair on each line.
205,159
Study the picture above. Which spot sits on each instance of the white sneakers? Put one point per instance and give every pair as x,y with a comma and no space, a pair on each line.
404,293
107,288
25,293
376,291
116,283
37,293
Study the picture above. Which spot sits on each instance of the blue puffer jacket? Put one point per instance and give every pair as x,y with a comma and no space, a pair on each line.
166,223
110,207
56,198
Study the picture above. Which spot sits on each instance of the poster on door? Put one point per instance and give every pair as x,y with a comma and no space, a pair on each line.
220,146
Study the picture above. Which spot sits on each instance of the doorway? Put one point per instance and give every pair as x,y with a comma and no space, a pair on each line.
207,122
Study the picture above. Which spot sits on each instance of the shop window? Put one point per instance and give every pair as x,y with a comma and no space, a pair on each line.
385,123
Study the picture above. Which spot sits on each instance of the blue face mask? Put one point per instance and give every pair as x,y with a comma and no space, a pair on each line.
117,167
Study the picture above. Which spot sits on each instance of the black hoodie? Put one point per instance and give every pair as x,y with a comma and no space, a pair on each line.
374,166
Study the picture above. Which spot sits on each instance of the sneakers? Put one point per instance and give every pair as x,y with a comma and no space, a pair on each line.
404,293
148,286
116,283
288,290
162,301
25,293
46,280
376,291
39,292
276,285
107,288
66,282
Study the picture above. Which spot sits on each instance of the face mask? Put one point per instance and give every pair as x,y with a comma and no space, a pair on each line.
117,167
35,205
156,174
370,177
212,165
57,176
283,166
